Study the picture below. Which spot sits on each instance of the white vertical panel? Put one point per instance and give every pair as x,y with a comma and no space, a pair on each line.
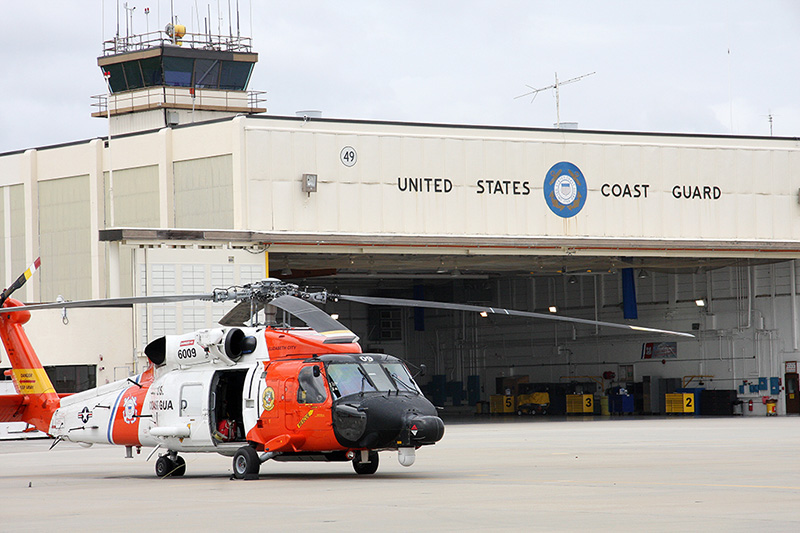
162,316
144,325
64,238
193,281
204,193
250,273
136,198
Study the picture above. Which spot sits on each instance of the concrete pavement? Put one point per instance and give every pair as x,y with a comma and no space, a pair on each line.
535,474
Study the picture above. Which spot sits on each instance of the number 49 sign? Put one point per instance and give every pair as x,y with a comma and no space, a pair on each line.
348,156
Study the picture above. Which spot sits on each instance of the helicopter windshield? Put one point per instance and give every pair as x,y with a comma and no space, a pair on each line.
354,378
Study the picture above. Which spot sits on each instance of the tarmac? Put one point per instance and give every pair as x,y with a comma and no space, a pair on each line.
487,474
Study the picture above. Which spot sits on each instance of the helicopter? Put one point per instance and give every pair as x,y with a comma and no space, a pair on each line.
248,390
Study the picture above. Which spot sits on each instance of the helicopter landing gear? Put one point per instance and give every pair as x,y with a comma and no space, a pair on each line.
170,464
246,463
370,466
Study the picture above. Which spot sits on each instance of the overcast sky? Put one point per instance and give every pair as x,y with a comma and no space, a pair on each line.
712,66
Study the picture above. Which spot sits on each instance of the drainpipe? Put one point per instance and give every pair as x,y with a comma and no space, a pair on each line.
793,301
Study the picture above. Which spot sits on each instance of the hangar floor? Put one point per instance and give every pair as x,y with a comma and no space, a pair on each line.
669,474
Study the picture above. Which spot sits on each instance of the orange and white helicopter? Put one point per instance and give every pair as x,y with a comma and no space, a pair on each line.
254,393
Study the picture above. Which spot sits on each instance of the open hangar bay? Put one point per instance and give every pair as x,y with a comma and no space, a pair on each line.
544,474
743,330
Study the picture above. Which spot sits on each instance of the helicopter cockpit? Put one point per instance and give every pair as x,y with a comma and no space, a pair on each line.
377,404
368,375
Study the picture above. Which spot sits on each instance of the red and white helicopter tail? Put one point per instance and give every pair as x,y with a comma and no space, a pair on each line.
36,400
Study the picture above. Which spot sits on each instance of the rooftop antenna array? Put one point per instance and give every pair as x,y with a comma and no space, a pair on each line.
128,19
534,91
770,118
200,18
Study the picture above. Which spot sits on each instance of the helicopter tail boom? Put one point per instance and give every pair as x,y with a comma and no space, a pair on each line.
36,399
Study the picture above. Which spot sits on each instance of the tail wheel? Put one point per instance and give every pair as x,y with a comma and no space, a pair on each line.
246,463
165,466
366,468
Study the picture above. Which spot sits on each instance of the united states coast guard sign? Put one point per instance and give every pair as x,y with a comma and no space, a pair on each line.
565,189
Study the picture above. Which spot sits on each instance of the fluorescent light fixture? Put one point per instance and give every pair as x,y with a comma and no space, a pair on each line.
553,309
700,303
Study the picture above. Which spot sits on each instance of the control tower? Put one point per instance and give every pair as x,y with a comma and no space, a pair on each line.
172,77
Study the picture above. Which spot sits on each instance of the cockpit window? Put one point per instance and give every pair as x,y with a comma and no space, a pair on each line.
378,377
354,378
401,377
348,378
311,388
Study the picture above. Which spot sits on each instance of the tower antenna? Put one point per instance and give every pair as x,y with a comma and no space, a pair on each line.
770,118
534,91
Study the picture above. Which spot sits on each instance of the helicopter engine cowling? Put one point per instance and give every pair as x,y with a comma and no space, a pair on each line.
206,345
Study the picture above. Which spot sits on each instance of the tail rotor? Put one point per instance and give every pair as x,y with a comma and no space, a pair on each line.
20,281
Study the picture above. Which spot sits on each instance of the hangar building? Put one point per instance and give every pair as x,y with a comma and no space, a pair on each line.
197,188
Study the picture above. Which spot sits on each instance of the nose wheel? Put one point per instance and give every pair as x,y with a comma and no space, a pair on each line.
365,465
170,465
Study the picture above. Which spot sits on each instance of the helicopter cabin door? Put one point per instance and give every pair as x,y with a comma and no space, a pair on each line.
225,415
307,400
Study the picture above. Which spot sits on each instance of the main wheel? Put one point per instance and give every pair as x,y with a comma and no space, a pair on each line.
246,462
164,466
180,466
366,468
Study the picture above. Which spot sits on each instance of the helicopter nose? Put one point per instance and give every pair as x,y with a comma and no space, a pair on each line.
381,421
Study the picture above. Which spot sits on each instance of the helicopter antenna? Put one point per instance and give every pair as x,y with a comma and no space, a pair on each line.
534,91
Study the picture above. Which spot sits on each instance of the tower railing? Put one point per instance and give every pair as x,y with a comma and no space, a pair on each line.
201,41
178,97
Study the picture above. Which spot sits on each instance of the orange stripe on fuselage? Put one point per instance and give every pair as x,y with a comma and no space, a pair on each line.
125,425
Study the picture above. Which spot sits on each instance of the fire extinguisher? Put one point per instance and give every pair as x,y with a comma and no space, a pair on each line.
750,405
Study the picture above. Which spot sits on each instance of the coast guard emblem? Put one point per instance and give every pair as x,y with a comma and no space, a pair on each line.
129,410
565,189
268,399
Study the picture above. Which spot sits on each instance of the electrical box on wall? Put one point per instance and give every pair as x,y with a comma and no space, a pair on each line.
309,183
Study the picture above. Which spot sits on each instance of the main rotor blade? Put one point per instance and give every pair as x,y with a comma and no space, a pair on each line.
20,281
111,302
316,318
400,302
240,314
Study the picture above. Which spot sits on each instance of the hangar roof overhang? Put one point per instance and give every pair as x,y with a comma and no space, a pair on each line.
358,254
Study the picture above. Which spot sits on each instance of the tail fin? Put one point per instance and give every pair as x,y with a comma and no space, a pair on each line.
36,399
